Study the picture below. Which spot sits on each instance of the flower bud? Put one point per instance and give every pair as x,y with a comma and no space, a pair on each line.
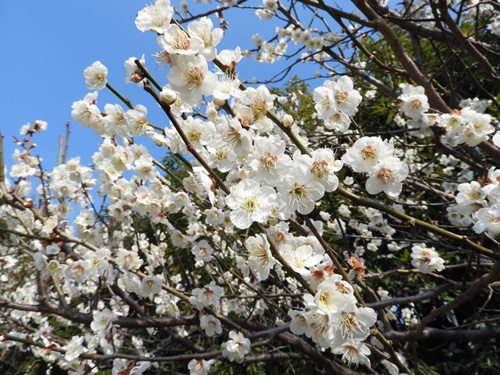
211,111
218,102
168,96
287,121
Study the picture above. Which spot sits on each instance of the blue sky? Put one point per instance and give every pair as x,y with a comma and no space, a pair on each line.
48,44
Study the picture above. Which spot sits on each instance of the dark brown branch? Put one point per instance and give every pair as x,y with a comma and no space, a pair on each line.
483,282
415,28
410,299
361,201
471,49
397,47
303,347
430,333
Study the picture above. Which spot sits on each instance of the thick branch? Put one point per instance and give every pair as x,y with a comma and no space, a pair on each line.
483,282
430,333
414,28
471,49
397,47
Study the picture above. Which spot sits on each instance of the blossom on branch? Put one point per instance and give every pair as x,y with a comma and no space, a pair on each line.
236,348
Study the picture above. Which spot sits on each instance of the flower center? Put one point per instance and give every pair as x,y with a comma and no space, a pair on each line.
181,41
249,205
348,324
341,97
386,176
268,161
319,169
194,135
368,152
258,107
298,191
194,77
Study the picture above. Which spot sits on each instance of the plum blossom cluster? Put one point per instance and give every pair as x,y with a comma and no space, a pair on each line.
312,39
375,157
336,101
225,243
477,203
236,347
270,181
468,125
333,321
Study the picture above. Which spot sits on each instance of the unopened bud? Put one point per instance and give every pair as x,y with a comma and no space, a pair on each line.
168,97
211,112
288,121
273,221
218,102
184,6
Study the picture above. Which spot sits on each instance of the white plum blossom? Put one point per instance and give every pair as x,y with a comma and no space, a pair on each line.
209,295
336,96
200,366
199,132
78,271
6,262
145,169
204,29
387,176
211,325
136,118
299,324
323,166
86,113
353,324
494,25
260,258
191,78
334,294
426,259
95,76
150,285
249,202
22,170
36,127
102,321
236,348
115,121
128,260
202,251
415,102
300,190
229,58
487,219
452,122
301,257
471,197
268,160
74,348
252,107
192,249
476,128
176,41
134,74
231,135
354,353
155,17
366,153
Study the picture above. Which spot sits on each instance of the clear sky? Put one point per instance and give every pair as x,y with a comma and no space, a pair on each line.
46,45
